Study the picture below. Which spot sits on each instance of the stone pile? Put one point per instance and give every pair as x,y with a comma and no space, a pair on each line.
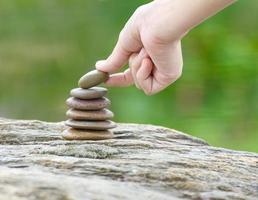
88,116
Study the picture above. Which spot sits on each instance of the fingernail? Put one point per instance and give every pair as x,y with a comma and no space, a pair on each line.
100,64
137,86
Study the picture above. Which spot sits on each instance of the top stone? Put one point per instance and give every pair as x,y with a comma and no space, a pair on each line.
92,79
91,93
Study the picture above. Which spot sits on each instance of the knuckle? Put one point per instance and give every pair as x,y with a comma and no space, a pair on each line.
139,10
131,60
148,92
178,74
121,34
175,75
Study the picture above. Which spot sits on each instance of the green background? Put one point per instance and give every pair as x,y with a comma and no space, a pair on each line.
46,45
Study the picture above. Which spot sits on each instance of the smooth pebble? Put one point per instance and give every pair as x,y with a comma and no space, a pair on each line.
90,125
82,104
91,93
75,134
103,114
93,78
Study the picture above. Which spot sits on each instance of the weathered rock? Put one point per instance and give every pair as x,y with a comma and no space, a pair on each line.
75,134
93,78
90,125
83,104
103,114
91,93
140,162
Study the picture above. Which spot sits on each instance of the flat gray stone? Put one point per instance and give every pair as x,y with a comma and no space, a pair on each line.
83,104
91,93
103,114
93,78
90,125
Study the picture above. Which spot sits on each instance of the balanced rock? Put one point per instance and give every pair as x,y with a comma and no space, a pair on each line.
92,79
83,104
88,116
103,114
91,93
90,125
76,134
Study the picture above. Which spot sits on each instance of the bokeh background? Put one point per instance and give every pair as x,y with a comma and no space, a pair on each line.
45,46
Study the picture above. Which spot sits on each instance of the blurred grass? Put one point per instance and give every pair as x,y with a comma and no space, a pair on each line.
45,46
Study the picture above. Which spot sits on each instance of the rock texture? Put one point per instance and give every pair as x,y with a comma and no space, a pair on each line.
140,162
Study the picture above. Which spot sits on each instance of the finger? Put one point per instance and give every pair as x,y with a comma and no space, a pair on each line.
131,63
167,58
123,79
168,63
144,76
127,43
135,63
161,81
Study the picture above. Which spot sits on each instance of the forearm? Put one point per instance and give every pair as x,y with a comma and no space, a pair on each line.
199,10
186,14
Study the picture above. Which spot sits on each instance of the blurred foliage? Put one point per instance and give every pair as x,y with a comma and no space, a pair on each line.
45,46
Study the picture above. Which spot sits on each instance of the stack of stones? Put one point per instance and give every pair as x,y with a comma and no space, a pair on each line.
89,118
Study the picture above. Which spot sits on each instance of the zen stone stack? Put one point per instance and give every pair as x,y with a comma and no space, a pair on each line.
88,116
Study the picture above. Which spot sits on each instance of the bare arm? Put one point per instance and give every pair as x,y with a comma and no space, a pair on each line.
151,42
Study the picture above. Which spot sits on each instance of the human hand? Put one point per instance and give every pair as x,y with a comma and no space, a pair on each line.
151,43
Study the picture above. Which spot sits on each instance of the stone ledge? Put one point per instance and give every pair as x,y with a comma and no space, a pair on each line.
141,162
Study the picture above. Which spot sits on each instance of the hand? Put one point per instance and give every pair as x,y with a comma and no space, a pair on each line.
151,43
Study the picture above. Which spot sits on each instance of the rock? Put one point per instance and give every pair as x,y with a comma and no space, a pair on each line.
75,134
88,113
93,78
103,114
90,125
83,104
140,162
91,93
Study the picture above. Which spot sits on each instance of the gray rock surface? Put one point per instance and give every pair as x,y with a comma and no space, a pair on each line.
141,162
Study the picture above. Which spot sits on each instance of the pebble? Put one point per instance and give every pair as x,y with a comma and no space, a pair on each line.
76,134
103,114
94,104
93,78
90,125
92,93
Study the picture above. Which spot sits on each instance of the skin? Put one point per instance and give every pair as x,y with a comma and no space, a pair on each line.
150,43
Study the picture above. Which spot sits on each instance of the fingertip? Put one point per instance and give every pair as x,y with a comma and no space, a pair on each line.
102,65
110,65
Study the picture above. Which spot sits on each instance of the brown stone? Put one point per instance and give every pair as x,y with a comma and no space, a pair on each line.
75,134
90,125
93,78
93,104
103,114
91,93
